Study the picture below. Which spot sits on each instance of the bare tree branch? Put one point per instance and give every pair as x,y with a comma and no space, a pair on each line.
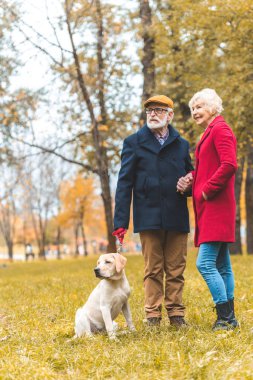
38,34
54,152
55,33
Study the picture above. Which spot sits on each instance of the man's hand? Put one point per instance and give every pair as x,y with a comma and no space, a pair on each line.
120,233
185,183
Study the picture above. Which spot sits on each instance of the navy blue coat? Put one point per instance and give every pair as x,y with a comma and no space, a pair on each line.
150,171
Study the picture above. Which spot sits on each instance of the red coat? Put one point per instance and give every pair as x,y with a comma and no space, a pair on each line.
215,176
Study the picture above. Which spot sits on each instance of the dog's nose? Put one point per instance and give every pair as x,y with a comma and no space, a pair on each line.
96,270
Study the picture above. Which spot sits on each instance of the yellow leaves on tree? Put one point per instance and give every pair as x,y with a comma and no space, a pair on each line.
81,204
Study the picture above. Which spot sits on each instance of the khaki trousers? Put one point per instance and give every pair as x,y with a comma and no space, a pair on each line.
164,254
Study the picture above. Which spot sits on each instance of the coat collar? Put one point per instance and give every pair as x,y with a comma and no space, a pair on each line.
148,140
215,121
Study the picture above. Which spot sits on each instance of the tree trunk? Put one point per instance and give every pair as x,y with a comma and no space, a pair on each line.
84,241
10,250
42,253
236,248
76,229
42,246
249,203
148,65
58,242
103,160
100,152
107,200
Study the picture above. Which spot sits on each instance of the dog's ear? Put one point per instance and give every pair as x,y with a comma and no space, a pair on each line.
120,262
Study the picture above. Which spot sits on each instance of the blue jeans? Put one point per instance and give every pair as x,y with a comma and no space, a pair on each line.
214,265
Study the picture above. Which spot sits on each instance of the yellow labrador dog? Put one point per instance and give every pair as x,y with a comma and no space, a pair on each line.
107,300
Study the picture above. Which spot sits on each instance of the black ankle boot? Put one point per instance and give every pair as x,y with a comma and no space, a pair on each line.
225,317
177,321
153,321
233,322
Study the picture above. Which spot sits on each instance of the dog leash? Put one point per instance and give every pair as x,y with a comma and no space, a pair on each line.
119,248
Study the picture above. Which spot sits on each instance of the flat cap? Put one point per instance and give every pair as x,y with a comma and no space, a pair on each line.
161,99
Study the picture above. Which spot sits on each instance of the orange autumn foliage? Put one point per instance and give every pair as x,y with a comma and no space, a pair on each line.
81,203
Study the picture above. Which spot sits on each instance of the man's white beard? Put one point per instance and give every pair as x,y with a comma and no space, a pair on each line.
154,125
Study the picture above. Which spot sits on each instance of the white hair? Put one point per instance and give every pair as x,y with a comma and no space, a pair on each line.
211,100
170,110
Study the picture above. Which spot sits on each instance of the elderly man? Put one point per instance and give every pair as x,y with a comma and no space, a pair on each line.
153,159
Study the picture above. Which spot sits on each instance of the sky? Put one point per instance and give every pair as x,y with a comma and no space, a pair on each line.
35,73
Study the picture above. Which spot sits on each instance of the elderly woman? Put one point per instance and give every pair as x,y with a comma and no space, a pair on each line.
214,202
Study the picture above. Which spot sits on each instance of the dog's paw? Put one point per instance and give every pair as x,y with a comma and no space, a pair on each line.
115,339
112,336
129,331
78,336
123,332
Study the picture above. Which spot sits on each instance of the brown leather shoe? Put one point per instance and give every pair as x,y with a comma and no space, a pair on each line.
154,321
178,321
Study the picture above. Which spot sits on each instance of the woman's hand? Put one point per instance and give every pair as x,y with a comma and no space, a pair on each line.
204,196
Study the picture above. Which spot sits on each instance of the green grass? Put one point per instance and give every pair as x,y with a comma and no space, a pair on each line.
38,302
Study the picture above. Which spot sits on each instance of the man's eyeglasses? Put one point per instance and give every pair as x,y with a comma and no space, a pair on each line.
157,110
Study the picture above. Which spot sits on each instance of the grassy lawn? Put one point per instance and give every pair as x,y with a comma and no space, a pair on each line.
38,302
